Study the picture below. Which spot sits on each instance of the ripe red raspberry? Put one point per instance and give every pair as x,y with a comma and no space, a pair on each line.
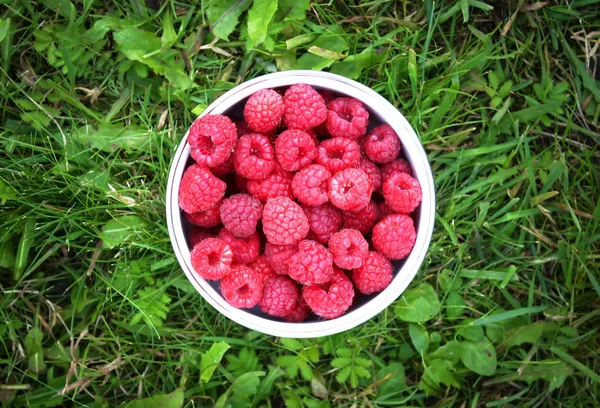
310,185
332,299
374,275
262,269
211,139
212,258
382,144
197,235
299,313
254,157
224,168
240,214
284,222
278,183
347,117
207,218
348,248
338,154
372,171
264,110
244,129
394,236
199,190
294,149
312,264
304,107
350,189
278,256
245,250
361,220
383,210
397,166
279,296
323,220
242,287
402,193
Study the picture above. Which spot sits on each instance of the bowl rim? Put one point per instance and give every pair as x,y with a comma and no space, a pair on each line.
415,154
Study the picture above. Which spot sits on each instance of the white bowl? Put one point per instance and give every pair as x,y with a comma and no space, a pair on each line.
380,110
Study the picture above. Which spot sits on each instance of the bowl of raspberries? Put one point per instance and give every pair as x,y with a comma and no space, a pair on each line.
300,204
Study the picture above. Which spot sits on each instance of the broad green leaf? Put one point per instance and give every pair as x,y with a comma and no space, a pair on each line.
293,9
136,43
470,332
247,384
352,66
455,305
95,179
530,333
449,281
259,17
119,230
33,341
223,15
395,379
292,344
7,192
451,351
172,400
36,363
109,138
7,255
4,26
553,371
266,385
332,41
169,36
419,304
318,387
479,357
419,336
566,357
211,359
439,372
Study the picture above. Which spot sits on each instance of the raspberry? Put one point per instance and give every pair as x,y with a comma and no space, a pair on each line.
374,275
397,166
350,189
245,250
240,214
279,296
372,171
402,193
224,168
207,218
383,210
197,235
284,222
348,248
244,129
394,236
312,264
332,299
264,110
347,117
278,183
211,139
278,256
299,313
361,220
253,157
199,189
295,149
327,95
241,287
212,258
323,220
304,107
262,269
310,185
382,145
338,154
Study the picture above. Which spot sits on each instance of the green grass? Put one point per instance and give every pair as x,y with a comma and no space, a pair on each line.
504,101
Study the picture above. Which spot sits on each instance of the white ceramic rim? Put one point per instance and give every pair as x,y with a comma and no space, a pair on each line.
414,152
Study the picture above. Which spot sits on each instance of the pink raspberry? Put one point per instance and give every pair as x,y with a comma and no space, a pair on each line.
396,166
242,287
361,220
284,222
294,149
212,258
348,248
199,189
264,110
350,189
374,275
382,144
383,210
402,193
312,264
299,313
207,218
347,117
372,171
304,107
338,154
279,296
332,299
211,139
310,185
394,236
323,220
224,168
254,157
197,235
278,256
240,214
245,250
278,183
262,269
